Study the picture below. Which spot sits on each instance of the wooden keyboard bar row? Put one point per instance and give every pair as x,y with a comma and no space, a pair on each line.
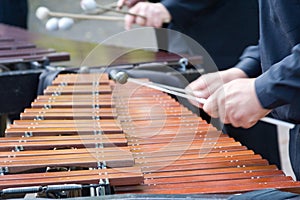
168,149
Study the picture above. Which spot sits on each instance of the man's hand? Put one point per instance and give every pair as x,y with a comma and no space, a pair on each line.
236,103
207,84
155,15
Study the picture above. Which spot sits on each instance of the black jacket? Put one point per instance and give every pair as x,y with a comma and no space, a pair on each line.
14,12
223,27
276,59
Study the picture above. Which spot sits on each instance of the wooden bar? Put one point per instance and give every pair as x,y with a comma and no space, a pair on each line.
84,160
50,142
66,151
13,132
115,177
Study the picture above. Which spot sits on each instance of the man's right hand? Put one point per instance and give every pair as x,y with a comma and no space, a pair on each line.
147,14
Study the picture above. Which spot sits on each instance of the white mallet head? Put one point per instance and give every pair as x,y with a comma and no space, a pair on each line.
42,13
65,23
121,77
52,24
88,5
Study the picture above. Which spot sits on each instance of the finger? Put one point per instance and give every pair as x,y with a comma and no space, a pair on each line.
211,107
128,21
222,114
226,120
196,91
131,3
160,15
197,84
211,110
199,89
120,4
156,15
236,119
142,10
157,23
249,124
223,117
198,94
196,103
131,19
140,21
222,109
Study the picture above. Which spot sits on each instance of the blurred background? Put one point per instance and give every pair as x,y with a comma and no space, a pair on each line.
89,32
94,31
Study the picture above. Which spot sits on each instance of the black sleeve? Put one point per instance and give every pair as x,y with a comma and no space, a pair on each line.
281,83
250,62
183,11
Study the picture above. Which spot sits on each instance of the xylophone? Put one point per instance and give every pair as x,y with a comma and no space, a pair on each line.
88,132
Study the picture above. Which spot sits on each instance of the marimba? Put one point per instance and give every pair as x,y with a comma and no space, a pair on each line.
88,132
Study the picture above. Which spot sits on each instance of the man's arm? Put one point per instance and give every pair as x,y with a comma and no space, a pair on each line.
280,85
250,62
183,11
